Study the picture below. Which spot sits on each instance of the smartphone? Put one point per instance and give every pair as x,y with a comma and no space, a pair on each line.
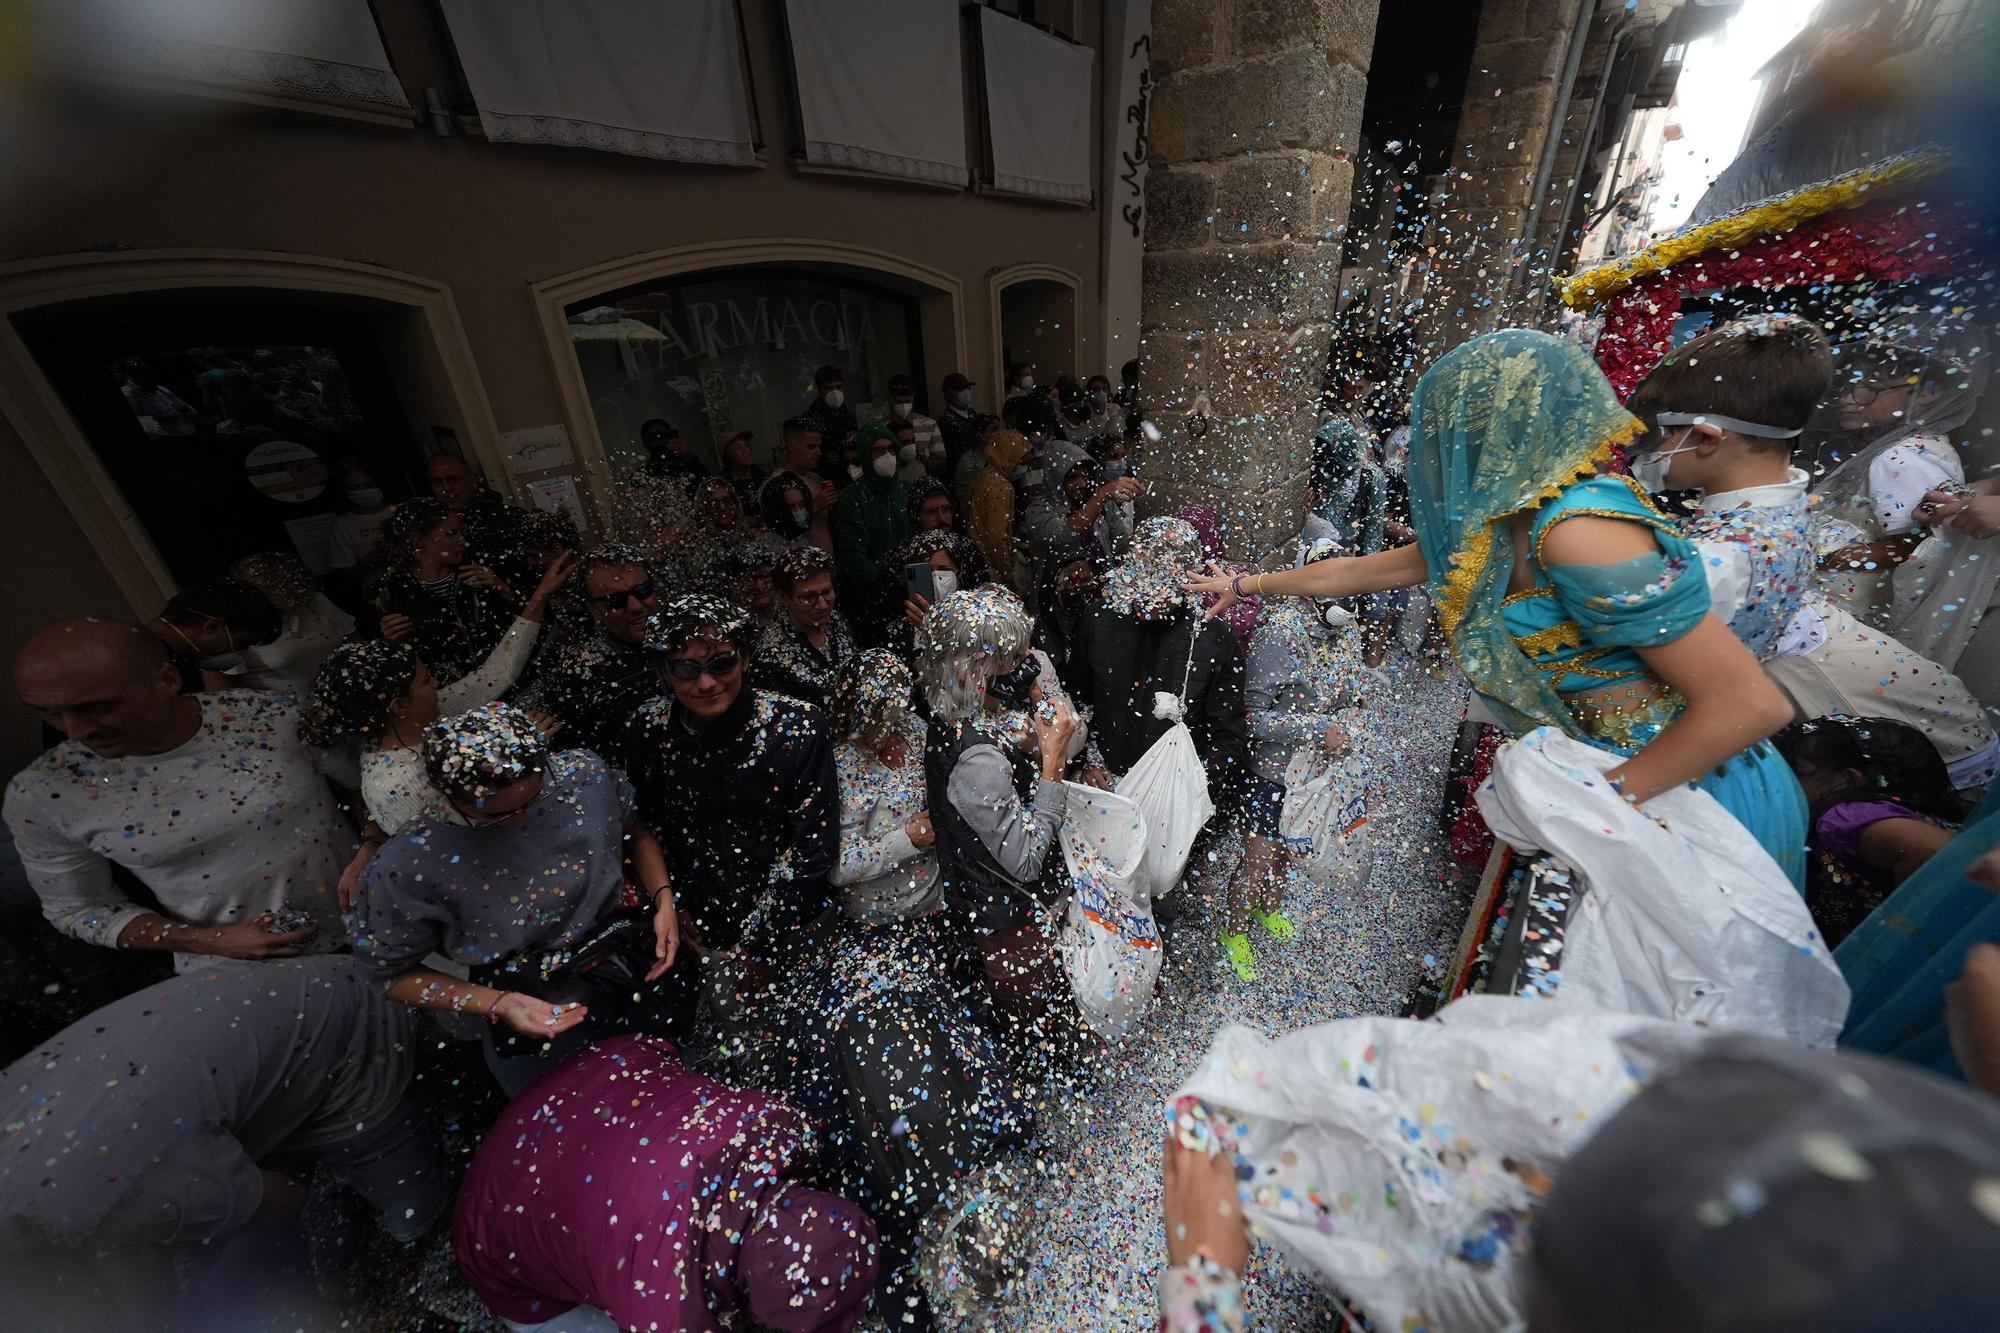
917,582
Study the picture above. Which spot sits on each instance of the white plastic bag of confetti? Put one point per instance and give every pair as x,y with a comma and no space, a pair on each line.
1681,913
1324,820
1404,1162
1110,944
1170,787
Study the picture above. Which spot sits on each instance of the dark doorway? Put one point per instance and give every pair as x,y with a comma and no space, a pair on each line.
223,418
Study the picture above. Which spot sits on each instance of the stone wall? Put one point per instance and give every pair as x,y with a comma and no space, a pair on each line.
1487,218
1256,111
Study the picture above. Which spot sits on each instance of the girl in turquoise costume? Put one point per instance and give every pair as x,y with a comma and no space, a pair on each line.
1568,599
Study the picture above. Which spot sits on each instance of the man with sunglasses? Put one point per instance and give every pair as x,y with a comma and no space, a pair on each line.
738,786
595,684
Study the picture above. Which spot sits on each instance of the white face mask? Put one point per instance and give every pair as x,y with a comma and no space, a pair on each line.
1651,469
943,582
964,400
835,397
365,497
854,472
1027,383
903,410
908,452
884,465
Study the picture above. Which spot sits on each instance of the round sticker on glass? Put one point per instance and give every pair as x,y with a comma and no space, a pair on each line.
287,471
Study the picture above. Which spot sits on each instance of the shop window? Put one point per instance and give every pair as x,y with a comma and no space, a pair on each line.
720,352
223,425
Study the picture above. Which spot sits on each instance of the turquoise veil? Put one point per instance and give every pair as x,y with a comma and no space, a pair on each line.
1498,426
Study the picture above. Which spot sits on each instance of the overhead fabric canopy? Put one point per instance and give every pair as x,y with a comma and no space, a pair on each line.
861,114
642,77
297,48
1038,109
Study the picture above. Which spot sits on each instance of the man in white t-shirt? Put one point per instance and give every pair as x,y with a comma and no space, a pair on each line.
211,800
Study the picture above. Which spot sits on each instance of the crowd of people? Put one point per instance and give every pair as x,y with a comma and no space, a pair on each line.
735,840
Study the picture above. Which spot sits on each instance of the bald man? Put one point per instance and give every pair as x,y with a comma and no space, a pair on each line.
211,800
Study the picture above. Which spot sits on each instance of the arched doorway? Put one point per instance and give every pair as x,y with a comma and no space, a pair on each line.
1034,320
271,364
718,339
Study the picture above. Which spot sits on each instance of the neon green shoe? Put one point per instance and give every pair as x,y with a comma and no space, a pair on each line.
1236,948
1277,923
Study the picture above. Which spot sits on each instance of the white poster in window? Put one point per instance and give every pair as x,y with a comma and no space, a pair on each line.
558,495
310,537
536,452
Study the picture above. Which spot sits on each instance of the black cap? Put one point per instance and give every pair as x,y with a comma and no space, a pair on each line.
955,381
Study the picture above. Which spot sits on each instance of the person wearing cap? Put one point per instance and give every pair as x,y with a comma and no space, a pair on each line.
958,424
622,1190
520,875
592,684
738,784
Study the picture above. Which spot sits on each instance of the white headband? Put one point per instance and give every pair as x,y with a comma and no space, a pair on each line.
1727,423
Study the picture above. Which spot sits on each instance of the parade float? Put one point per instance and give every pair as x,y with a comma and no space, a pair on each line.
1869,248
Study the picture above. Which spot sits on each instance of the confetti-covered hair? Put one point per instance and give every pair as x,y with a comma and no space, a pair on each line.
799,564
703,615
868,689
1165,553
414,518
352,692
483,751
616,555
966,640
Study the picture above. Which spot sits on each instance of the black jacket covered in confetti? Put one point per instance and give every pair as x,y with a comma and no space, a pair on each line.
594,686
747,814
1119,662
787,664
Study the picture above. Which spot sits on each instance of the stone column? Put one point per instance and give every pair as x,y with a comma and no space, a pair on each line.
1487,221
1256,110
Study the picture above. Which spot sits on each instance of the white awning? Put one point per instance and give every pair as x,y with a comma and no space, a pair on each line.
881,87
311,49
1038,109
644,77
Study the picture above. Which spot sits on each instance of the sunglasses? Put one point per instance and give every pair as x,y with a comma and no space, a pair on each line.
720,665
615,601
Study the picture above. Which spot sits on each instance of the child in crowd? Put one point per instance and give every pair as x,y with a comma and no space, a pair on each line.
1882,805
1725,408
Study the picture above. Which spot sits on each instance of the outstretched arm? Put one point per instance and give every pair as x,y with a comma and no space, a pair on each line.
1399,567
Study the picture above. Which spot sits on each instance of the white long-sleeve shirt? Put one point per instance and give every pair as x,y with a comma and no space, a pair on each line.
234,823
395,787
886,876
